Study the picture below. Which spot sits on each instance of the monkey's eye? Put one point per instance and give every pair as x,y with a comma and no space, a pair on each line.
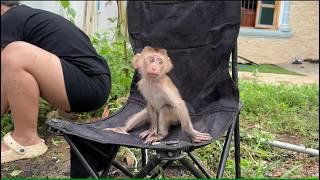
151,60
159,61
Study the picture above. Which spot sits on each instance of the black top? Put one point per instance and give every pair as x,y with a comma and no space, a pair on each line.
54,34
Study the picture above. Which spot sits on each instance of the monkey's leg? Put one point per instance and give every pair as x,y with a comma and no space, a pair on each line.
133,121
165,117
182,113
153,123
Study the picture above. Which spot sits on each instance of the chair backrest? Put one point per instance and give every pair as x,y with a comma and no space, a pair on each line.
199,37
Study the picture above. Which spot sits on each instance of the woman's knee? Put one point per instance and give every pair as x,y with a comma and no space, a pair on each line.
14,55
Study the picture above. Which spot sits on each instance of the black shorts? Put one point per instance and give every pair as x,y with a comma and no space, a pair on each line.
85,92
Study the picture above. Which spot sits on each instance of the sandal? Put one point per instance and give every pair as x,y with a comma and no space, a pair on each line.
17,152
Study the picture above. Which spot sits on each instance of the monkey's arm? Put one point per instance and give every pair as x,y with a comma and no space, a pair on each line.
182,113
133,121
153,123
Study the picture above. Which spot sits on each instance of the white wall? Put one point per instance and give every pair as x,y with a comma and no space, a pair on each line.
107,9
51,6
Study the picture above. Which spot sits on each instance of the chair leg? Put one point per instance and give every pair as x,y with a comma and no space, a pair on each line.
122,168
152,163
144,157
237,148
83,161
190,166
108,165
113,162
225,151
200,166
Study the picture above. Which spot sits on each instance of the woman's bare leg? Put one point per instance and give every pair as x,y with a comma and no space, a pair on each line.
28,73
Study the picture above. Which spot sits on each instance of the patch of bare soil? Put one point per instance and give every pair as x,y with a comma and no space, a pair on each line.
306,165
290,139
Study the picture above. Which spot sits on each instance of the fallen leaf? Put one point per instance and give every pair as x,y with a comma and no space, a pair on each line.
15,173
55,142
106,111
130,159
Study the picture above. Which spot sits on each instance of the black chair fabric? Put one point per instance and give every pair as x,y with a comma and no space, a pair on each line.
199,37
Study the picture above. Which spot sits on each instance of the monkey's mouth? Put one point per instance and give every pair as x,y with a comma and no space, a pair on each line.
153,75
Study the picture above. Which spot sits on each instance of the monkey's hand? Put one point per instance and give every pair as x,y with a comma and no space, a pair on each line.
199,137
147,133
121,130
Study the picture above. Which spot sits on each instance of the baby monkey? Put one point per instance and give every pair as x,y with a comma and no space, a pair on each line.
165,107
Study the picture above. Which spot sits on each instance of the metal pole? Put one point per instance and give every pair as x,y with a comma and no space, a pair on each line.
153,162
234,56
292,147
190,166
144,157
200,166
237,123
237,148
83,161
225,151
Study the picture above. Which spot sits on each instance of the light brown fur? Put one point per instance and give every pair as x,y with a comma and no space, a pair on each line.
165,107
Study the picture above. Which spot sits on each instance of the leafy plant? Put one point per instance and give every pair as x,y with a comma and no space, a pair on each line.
69,12
118,54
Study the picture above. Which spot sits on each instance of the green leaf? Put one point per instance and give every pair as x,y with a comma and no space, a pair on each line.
245,163
65,4
112,20
72,12
55,142
15,173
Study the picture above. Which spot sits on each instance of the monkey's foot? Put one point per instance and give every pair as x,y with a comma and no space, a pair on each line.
201,137
117,130
152,139
147,133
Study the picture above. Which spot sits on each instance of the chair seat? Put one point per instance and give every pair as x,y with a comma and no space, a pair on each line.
215,123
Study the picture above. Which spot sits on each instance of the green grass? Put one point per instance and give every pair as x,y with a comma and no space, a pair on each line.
283,109
269,112
265,68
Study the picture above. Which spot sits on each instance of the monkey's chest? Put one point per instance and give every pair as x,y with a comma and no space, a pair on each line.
155,96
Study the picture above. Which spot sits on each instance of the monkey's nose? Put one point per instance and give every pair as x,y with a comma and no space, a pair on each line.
154,70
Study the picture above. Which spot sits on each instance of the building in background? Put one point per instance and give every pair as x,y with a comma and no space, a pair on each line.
275,32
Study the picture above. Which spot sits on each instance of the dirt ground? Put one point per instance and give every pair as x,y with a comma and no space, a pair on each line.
55,163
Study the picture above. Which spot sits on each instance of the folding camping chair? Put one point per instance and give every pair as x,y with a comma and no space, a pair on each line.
199,37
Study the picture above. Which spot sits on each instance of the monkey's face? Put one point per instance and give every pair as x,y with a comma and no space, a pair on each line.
154,66
152,63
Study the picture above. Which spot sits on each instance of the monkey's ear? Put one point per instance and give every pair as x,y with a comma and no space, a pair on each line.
147,48
135,61
169,65
163,52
